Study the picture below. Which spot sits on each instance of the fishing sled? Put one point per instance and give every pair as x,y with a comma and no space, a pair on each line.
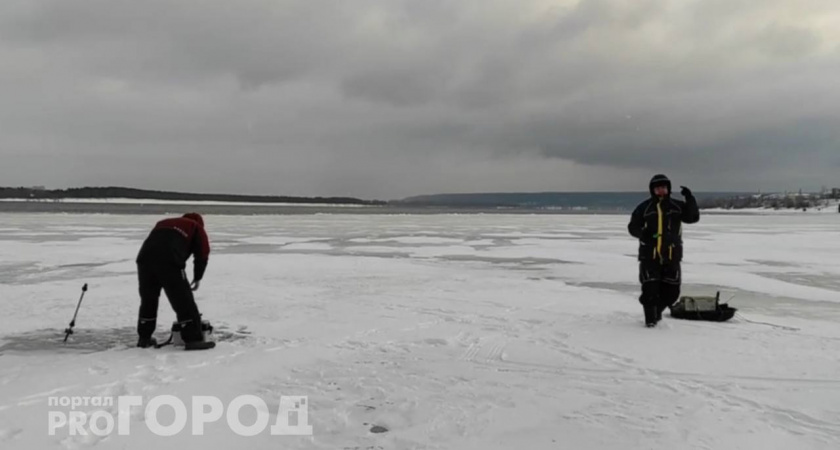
702,308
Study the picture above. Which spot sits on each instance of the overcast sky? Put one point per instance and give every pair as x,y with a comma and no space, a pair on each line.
390,98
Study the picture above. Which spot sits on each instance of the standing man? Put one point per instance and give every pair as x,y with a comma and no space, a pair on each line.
161,264
657,223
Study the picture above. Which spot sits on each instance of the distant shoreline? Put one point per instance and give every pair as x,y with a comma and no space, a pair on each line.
112,194
137,201
73,206
152,201
167,208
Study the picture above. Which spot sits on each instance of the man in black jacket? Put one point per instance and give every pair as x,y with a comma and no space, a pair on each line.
161,264
657,223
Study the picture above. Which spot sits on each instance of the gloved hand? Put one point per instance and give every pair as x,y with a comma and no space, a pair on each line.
686,192
195,285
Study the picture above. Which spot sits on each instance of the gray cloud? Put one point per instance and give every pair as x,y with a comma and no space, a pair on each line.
391,98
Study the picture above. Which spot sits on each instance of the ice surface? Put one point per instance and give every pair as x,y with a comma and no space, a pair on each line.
451,331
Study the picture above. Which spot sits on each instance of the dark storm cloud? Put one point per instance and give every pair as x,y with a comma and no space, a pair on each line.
390,98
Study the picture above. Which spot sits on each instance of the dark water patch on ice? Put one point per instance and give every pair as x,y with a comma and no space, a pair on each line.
81,341
241,249
505,260
769,263
825,280
41,238
85,341
86,265
620,287
376,429
28,273
9,273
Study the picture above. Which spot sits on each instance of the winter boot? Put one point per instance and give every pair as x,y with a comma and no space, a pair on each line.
147,342
650,315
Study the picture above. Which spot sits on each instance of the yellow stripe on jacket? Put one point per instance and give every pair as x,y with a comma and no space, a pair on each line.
659,229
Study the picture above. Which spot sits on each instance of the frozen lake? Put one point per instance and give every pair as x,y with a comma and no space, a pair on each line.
451,331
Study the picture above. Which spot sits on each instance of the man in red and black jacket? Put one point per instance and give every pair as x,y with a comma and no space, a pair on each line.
161,264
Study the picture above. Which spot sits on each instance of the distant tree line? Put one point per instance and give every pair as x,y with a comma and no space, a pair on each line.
122,192
771,201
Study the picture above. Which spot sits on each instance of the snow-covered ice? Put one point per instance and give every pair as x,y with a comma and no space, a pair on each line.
451,331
